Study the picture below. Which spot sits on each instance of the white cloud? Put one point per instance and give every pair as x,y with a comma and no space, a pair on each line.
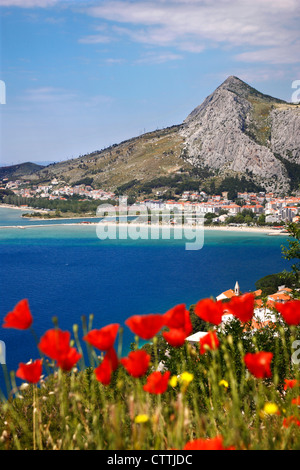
275,55
60,97
43,95
193,25
27,3
113,61
98,100
156,59
95,39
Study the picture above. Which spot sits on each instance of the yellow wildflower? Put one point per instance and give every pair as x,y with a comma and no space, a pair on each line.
186,377
224,383
141,419
173,381
270,409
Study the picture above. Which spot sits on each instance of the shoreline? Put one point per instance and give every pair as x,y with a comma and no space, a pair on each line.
9,206
226,228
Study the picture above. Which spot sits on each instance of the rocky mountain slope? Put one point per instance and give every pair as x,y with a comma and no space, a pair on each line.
236,132
239,130
136,160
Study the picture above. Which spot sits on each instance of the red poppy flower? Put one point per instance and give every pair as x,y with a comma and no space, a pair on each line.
108,365
259,364
179,322
290,311
103,372
157,382
209,341
175,337
20,318
296,401
30,372
215,443
55,343
290,383
67,362
290,420
136,363
104,338
113,359
178,317
210,311
242,307
145,326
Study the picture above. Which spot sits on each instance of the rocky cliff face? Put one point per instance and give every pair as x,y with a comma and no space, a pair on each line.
237,130
285,137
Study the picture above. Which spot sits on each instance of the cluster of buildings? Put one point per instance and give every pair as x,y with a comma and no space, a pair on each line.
275,209
264,313
264,308
55,190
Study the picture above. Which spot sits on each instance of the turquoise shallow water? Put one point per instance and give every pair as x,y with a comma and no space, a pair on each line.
13,217
66,271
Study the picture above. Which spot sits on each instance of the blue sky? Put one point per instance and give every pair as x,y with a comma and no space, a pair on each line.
82,75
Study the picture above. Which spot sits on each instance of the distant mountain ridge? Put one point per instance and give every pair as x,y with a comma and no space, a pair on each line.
20,170
237,132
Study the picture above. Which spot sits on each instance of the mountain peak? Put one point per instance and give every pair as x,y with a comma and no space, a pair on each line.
237,129
237,86
232,80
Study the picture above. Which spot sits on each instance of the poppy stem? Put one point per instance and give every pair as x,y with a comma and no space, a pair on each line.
120,342
34,417
82,361
2,397
32,331
90,350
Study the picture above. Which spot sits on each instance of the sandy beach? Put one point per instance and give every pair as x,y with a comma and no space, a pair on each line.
269,230
224,228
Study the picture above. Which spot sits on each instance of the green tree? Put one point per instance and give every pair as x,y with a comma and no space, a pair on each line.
292,252
261,219
248,219
239,219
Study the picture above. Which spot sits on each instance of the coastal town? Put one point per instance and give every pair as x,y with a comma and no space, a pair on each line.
266,207
264,309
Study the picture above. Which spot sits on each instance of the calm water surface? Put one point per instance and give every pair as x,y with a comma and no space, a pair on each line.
66,271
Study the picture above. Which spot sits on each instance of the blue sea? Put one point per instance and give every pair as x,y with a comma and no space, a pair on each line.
65,271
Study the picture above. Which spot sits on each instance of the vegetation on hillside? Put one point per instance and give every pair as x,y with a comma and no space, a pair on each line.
13,172
269,284
234,185
291,252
